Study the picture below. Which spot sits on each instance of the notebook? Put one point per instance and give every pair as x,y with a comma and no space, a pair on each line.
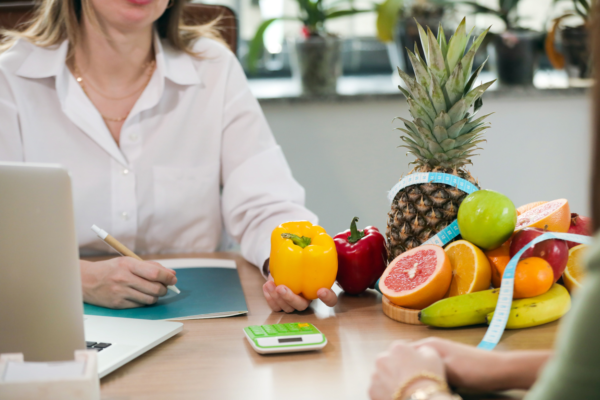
209,288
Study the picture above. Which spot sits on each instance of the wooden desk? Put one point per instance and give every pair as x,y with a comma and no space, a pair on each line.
211,359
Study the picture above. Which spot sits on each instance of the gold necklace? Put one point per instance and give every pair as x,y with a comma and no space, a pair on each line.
79,79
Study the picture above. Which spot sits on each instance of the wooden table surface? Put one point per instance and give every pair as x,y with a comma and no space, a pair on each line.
211,358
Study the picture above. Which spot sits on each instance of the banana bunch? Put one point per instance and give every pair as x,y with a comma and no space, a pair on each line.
478,308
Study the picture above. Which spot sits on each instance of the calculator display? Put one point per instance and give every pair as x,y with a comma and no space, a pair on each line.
289,340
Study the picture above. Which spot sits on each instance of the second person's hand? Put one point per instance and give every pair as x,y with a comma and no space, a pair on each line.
281,298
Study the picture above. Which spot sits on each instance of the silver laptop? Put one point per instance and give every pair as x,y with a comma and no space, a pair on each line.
41,306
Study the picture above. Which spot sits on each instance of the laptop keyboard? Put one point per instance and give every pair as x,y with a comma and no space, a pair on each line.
97,345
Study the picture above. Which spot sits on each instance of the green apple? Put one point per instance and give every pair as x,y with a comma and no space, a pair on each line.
487,219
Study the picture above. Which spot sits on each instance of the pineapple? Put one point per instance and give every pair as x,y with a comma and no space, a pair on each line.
442,136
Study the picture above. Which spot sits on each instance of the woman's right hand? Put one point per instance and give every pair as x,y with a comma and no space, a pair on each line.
468,367
124,282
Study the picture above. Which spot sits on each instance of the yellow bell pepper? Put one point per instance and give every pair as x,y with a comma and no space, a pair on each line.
303,258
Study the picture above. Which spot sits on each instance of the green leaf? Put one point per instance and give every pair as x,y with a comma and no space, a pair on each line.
440,134
457,45
414,137
434,147
426,134
442,119
345,13
473,124
477,93
437,65
387,17
448,144
418,112
454,130
466,139
467,61
456,84
421,73
408,80
424,41
437,96
441,38
474,76
458,110
257,44
405,92
477,105
409,125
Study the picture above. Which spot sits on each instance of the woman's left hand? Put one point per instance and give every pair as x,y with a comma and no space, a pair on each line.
282,298
400,363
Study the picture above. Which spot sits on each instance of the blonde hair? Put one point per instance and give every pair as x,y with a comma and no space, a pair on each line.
56,20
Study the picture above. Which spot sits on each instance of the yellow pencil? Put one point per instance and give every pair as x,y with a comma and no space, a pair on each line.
122,249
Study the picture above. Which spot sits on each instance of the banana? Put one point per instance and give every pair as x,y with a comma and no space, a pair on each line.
538,310
463,310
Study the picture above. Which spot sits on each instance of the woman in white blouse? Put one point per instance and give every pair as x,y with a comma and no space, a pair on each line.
164,141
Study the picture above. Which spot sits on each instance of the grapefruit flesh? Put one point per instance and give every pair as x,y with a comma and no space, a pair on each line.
417,278
529,206
553,216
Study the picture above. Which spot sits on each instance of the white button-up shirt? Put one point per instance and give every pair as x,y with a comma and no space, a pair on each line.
195,153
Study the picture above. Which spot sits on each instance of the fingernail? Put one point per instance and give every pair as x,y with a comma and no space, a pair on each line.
270,287
283,290
174,280
321,293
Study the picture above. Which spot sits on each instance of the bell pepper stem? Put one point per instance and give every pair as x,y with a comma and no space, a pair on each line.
355,234
301,241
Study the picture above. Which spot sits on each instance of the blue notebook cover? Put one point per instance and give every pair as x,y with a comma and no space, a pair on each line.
209,289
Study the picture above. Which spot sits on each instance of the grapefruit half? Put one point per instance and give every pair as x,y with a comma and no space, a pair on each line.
417,278
529,206
553,216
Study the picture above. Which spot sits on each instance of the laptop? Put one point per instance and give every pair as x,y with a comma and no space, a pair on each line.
41,303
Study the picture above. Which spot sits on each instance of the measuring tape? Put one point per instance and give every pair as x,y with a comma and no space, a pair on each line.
451,231
500,318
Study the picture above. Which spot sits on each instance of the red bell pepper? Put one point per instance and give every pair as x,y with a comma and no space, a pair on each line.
362,258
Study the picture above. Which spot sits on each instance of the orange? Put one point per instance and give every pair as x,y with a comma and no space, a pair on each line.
554,216
533,277
575,270
529,206
498,259
418,277
471,271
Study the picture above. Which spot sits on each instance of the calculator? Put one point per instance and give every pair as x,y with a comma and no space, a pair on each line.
285,338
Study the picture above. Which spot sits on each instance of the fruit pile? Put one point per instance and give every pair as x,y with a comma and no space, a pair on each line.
451,285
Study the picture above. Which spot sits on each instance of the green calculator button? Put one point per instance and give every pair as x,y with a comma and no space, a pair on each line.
269,329
292,327
280,328
257,330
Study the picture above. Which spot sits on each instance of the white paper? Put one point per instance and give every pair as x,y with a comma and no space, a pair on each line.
196,262
43,371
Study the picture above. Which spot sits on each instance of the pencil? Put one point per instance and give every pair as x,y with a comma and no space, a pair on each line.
122,249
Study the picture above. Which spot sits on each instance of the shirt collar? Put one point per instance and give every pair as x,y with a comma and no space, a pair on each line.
177,66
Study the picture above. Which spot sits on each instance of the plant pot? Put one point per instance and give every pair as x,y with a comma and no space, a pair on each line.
316,62
516,56
575,47
407,34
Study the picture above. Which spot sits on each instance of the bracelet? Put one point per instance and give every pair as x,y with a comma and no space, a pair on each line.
441,385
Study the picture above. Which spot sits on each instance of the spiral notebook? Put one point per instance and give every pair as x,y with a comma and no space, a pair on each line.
210,288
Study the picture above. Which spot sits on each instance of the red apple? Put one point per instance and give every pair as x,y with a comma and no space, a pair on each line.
555,251
579,226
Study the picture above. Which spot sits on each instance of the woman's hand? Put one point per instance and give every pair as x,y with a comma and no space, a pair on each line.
471,368
400,363
124,282
282,298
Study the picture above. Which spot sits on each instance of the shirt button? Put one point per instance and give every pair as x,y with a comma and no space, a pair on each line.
133,137
125,215
125,171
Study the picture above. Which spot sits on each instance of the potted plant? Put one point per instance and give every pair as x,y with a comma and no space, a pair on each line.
516,54
575,57
315,56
